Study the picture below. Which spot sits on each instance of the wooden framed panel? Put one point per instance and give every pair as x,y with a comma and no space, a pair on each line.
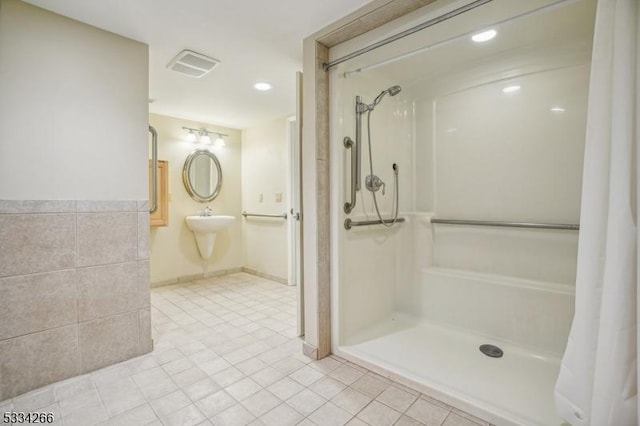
161,216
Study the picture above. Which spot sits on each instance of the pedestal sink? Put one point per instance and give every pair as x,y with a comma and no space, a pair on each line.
204,229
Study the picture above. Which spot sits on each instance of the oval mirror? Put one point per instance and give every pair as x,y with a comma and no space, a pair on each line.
202,175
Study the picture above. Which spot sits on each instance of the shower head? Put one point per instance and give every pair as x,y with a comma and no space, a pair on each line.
391,91
394,90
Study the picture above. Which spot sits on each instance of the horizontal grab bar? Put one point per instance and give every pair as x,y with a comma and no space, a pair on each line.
154,171
283,215
534,225
348,223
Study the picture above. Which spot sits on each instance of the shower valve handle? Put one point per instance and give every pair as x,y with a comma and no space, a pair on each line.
374,183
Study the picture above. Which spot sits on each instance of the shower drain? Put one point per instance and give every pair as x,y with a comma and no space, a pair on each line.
491,350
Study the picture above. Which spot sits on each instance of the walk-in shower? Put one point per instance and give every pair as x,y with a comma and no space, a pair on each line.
470,294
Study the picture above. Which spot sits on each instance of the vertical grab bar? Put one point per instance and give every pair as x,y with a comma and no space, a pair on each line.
348,143
154,169
358,144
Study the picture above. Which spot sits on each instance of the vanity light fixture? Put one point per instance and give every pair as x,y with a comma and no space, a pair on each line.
484,36
202,136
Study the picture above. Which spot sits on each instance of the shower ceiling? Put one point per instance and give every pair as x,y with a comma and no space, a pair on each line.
450,60
254,40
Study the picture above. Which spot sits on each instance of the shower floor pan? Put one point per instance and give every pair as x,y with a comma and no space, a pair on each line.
516,389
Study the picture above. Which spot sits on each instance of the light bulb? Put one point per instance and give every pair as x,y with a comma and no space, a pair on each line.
191,137
219,141
205,138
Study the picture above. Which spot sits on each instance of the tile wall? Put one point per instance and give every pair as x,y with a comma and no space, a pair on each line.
74,289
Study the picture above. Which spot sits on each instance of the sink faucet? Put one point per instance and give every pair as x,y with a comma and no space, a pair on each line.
207,211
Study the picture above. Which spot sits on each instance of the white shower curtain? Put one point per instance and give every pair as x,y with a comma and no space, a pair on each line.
598,379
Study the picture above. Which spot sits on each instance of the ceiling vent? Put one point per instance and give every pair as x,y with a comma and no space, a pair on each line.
192,63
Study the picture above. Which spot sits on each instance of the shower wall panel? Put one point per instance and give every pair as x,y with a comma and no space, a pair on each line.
513,150
367,279
514,156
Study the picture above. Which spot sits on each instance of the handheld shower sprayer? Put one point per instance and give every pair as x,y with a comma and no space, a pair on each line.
361,107
391,91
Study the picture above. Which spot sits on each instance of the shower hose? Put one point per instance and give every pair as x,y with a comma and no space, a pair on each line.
387,224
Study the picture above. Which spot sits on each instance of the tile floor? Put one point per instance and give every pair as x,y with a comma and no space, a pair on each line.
226,353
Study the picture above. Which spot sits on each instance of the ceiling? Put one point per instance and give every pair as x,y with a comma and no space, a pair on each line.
255,40
537,36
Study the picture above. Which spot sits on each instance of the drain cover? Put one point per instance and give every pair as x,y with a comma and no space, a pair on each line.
491,350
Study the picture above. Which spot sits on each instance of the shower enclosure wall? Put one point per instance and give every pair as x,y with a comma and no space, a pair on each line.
481,131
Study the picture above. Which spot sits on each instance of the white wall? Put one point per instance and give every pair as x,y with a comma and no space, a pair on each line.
508,157
73,109
174,253
265,152
510,150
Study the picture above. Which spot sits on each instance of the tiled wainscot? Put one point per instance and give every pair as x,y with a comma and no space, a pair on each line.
74,289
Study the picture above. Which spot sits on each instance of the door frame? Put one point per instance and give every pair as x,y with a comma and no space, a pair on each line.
294,195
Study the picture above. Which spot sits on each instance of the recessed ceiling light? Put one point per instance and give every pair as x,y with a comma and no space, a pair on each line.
484,36
262,86
558,109
511,89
